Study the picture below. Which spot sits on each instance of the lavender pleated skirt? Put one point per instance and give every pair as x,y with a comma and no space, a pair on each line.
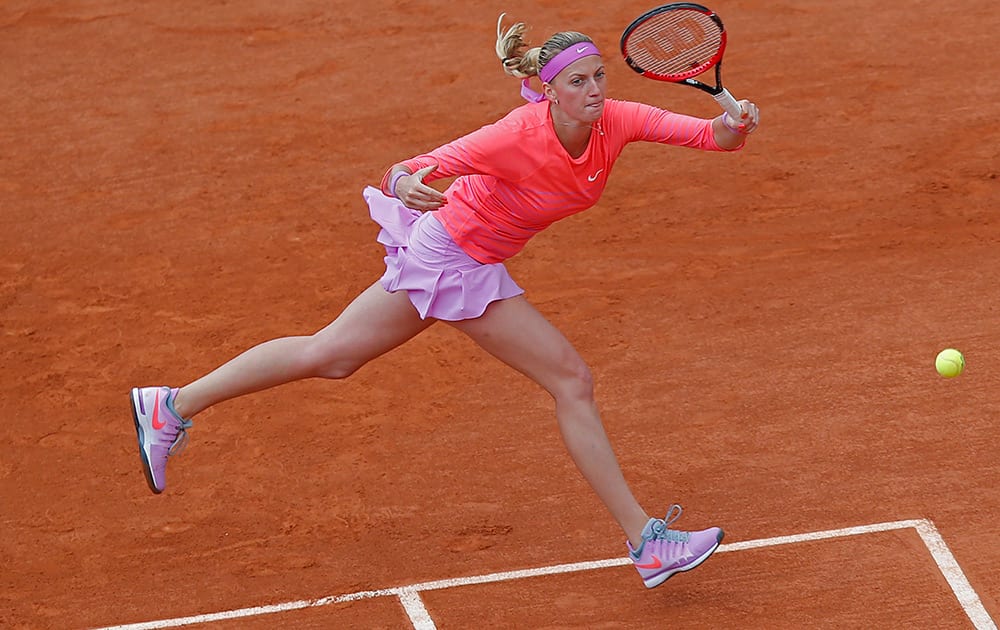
441,280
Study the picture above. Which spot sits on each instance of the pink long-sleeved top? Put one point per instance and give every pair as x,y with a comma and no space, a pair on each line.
514,177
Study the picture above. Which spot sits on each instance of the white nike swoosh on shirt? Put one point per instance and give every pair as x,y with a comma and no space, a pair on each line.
593,178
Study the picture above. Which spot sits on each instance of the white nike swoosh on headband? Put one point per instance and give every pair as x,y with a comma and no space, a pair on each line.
580,50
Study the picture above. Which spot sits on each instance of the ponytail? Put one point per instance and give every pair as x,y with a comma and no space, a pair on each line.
523,64
510,49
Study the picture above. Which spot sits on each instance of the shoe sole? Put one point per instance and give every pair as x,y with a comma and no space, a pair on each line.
146,469
663,577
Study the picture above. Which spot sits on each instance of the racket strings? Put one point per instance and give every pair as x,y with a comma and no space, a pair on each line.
675,43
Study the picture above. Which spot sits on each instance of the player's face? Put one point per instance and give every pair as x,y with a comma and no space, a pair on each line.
579,89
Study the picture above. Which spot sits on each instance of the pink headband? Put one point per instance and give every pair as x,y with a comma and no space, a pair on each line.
556,65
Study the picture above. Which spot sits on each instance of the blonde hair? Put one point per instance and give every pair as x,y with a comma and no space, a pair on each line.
511,43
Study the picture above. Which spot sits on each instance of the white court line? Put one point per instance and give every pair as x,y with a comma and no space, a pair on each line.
414,607
409,596
956,578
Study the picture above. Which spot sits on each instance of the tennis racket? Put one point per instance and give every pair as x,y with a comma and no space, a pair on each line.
677,42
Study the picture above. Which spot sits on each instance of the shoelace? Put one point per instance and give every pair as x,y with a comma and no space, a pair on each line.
660,531
181,440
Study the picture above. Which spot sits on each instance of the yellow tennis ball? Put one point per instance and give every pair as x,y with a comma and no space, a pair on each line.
949,363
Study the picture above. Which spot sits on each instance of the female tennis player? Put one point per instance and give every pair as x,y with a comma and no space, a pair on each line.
545,160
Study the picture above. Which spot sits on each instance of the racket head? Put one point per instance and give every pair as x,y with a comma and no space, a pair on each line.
674,42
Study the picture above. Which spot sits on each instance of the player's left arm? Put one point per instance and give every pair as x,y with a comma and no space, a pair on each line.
731,134
642,122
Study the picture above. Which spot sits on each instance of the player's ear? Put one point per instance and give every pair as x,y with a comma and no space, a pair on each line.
550,93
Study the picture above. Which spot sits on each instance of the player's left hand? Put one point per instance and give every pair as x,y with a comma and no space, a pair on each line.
748,121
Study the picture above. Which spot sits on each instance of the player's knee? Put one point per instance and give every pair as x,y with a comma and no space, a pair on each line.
325,360
338,369
576,382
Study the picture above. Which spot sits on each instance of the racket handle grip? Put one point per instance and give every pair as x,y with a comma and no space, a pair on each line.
728,103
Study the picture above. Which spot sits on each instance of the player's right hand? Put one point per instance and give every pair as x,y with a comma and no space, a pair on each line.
415,194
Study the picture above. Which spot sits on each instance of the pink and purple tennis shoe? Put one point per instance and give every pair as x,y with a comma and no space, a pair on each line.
161,431
665,551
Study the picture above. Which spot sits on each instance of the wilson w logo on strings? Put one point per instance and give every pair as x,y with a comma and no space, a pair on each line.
680,37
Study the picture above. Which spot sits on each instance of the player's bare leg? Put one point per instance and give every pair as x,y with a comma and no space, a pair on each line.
516,333
374,323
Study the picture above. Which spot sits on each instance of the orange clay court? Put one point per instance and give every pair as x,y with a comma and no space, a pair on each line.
182,180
